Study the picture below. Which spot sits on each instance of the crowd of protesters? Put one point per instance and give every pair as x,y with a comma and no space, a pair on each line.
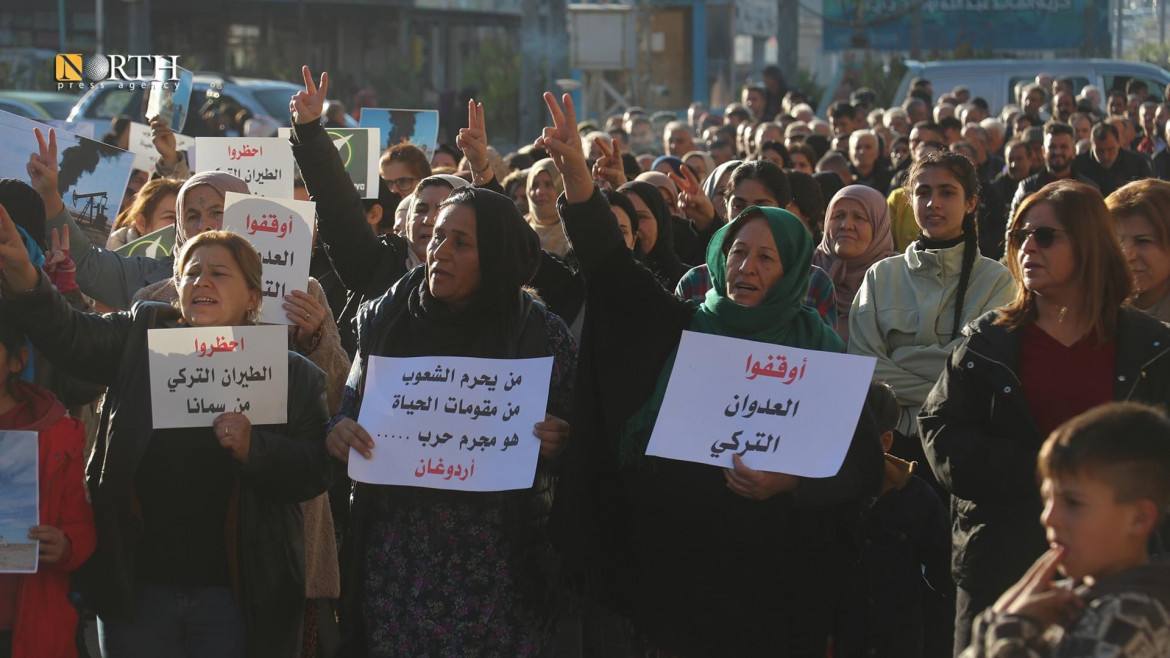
1005,492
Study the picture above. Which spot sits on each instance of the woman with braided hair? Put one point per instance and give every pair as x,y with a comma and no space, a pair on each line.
910,310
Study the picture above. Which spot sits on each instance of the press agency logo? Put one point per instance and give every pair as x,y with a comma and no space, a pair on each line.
74,71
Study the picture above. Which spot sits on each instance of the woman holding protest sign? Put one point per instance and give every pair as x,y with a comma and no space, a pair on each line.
187,519
664,541
1067,342
437,572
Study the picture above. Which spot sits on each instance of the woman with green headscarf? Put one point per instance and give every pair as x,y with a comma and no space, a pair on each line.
702,561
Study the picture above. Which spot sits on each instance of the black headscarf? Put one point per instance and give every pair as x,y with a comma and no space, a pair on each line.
489,325
25,207
662,259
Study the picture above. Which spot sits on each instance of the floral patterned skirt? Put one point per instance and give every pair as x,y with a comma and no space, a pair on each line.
438,583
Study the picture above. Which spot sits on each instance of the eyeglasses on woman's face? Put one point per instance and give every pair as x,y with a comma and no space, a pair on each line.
1043,236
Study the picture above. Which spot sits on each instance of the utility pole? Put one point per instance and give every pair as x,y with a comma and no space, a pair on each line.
1118,53
788,37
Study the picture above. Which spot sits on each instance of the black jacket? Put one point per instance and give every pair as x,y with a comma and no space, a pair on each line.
369,264
1128,167
1033,183
982,442
666,545
287,464
1162,164
366,264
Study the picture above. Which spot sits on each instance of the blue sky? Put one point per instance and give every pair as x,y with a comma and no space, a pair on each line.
18,484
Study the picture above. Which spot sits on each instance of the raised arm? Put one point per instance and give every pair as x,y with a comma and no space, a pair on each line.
84,345
356,253
104,275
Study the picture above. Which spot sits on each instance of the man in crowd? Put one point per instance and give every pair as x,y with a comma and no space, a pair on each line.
1059,148
755,99
1108,164
844,118
677,139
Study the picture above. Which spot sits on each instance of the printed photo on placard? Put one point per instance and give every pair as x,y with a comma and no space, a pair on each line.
171,100
418,127
92,177
359,152
19,501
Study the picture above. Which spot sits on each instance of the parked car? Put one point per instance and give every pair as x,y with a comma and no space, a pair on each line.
995,79
260,97
42,105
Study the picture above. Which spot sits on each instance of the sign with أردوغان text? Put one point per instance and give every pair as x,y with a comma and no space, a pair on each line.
281,230
446,422
264,163
781,409
198,373
20,497
358,150
145,155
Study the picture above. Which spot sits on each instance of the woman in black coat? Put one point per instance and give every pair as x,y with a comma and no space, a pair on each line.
200,539
1067,343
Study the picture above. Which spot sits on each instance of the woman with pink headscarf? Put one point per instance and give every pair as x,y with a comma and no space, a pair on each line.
857,235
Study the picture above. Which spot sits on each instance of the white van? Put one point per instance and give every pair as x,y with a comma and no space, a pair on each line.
995,79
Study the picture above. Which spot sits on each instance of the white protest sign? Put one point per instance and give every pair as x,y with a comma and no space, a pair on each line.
359,152
446,422
781,409
281,230
198,373
145,155
264,163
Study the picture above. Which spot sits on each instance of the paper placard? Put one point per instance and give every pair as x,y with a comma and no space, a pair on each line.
198,373
20,495
159,244
281,230
93,175
81,129
170,99
452,422
418,127
359,152
264,163
781,409
145,155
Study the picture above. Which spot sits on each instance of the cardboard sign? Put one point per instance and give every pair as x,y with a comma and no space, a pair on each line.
264,163
170,99
92,175
453,422
418,127
145,155
281,230
359,151
781,409
198,373
159,244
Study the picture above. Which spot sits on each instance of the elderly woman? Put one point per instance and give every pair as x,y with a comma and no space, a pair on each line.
433,572
200,537
1066,343
857,235
665,536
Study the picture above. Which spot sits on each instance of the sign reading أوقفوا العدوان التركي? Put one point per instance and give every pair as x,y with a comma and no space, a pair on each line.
781,409
281,231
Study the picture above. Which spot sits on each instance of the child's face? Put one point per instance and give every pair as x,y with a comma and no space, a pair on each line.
1100,536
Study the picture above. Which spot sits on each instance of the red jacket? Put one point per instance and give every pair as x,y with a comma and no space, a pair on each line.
45,619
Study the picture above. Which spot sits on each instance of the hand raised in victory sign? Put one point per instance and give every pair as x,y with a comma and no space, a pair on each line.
42,171
308,105
692,202
609,167
472,140
563,143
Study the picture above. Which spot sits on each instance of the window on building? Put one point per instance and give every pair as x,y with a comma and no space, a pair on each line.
243,46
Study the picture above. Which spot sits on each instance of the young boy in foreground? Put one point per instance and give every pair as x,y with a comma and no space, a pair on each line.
1106,487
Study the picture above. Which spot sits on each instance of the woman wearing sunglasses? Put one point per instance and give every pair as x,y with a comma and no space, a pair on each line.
1067,342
